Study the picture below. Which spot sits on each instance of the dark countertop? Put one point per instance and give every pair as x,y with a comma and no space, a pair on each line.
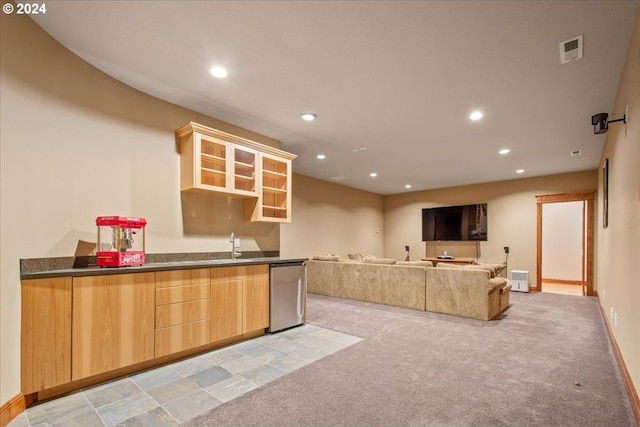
155,266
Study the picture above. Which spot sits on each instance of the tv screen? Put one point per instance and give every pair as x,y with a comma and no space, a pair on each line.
455,223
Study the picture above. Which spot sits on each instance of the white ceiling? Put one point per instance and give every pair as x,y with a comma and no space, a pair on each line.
398,78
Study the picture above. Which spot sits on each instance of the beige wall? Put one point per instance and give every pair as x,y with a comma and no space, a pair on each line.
511,211
329,218
77,144
618,266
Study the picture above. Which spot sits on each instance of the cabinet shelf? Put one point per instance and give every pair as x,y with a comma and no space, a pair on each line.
275,208
245,166
274,190
213,171
211,157
244,177
274,173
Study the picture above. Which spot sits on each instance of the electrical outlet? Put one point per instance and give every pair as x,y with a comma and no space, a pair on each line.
611,314
615,319
506,249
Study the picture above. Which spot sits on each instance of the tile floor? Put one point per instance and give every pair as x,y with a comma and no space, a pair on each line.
171,394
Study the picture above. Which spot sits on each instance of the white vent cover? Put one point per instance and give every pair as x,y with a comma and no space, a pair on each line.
570,50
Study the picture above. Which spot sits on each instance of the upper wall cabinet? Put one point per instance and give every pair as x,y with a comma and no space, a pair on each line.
213,161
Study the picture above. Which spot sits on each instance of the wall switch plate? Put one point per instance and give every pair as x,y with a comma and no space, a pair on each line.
611,314
615,319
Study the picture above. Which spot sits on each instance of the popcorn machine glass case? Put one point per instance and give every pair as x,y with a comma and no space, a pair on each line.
123,249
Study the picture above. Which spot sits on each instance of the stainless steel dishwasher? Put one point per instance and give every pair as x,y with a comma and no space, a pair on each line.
287,295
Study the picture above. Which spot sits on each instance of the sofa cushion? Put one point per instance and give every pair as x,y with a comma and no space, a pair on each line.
416,263
485,267
326,258
355,257
379,261
496,267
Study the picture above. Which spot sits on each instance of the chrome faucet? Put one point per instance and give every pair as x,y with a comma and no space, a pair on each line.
234,253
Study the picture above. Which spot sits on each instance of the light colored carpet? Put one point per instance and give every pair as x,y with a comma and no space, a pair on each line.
546,362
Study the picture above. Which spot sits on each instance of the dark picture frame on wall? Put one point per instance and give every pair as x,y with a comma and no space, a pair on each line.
605,193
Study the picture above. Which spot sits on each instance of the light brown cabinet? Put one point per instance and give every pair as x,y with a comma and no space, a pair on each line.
215,162
239,300
183,310
46,333
112,322
255,297
76,328
274,199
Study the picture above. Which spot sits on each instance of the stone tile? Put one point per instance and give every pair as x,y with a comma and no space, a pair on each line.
86,419
127,408
20,421
308,354
155,378
263,352
262,374
275,341
231,388
192,366
188,407
241,364
288,363
60,409
111,392
218,357
210,376
224,374
157,417
174,390
289,346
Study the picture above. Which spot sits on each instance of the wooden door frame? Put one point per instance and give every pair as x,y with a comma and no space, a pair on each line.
589,198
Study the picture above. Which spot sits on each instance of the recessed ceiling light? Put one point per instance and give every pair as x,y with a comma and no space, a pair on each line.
308,117
407,186
373,174
219,72
504,151
476,115
520,171
321,156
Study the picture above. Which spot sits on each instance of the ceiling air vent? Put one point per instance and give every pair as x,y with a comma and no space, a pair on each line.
570,50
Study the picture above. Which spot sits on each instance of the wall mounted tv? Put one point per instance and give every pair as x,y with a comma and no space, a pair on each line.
455,223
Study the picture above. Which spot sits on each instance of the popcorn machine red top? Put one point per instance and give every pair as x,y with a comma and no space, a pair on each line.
124,249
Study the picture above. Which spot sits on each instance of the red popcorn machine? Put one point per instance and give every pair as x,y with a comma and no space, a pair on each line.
120,231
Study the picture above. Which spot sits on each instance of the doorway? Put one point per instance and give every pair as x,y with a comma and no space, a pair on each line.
580,265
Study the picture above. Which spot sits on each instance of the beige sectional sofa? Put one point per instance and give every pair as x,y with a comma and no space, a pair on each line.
473,291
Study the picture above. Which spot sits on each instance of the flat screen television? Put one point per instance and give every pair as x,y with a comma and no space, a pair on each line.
455,223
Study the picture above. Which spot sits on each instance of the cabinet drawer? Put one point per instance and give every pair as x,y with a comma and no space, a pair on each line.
182,337
182,277
183,312
176,294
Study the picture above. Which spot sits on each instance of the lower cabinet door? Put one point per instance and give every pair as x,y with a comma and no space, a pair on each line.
182,337
112,322
226,310
256,302
46,333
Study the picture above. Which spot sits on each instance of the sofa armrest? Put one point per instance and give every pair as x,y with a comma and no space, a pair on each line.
462,292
